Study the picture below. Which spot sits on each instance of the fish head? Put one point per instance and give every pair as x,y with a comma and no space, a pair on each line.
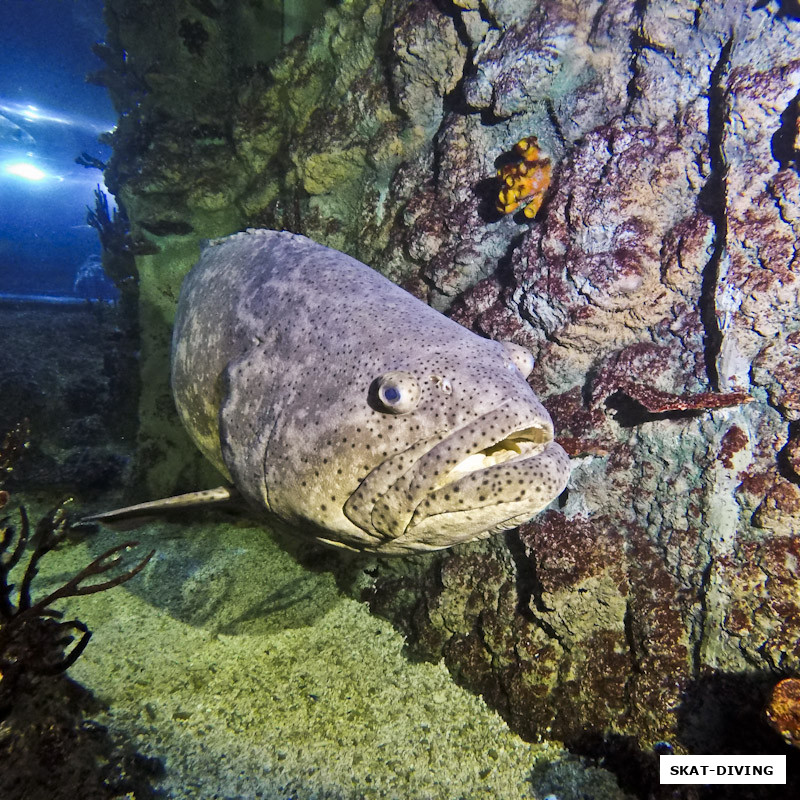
428,443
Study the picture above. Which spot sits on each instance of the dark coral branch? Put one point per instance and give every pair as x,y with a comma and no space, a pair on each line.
48,534
90,162
113,227
32,637
74,654
101,565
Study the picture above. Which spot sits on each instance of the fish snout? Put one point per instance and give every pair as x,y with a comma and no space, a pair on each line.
487,500
511,434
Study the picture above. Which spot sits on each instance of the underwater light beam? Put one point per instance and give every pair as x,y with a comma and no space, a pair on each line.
23,170
36,114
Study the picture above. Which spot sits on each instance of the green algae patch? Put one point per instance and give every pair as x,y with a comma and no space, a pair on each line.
323,171
253,677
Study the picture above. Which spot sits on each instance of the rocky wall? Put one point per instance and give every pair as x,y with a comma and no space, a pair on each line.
657,286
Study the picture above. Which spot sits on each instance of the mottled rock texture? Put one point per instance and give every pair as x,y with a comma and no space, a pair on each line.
658,287
71,373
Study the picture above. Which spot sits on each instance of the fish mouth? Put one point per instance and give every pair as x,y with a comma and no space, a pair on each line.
518,445
453,472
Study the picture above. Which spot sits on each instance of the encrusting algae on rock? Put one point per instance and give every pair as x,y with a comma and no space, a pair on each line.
783,710
524,182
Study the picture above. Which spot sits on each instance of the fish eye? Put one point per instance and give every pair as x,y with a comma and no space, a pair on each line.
395,392
391,394
521,357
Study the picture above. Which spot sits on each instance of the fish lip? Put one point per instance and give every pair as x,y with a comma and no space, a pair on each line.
539,434
421,534
550,451
393,511
517,446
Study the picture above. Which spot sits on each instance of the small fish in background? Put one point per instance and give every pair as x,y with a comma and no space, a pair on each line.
13,134
338,403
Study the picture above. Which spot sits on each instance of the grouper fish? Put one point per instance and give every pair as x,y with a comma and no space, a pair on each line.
348,410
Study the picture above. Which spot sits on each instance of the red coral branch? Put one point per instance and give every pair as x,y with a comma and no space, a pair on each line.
657,402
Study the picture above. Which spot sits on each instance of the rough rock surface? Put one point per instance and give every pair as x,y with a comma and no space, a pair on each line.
71,373
658,287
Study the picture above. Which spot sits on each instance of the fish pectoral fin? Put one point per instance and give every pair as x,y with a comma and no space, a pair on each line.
146,511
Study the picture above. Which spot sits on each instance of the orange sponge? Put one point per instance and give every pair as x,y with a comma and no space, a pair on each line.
526,181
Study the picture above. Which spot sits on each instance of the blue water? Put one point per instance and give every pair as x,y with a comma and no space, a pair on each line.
49,115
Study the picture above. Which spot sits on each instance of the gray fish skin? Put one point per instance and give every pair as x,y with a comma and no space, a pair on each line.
340,404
